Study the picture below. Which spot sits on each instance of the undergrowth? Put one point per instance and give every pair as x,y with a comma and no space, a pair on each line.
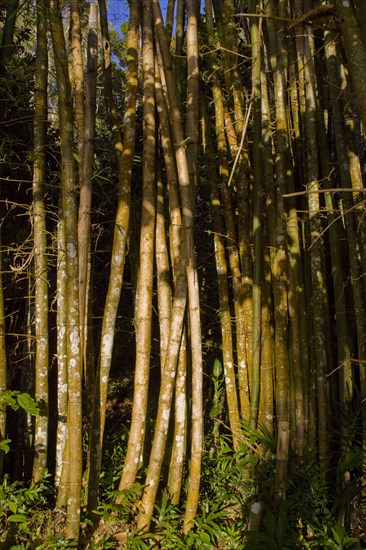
318,511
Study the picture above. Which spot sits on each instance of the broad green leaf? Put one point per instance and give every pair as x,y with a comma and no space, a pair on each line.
204,537
7,398
4,445
13,506
217,368
17,518
28,404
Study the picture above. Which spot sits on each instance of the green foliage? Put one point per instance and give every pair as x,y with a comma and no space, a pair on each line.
55,543
124,511
231,483
18,503
328,533
140,542
17,399
4,445
113,460
118,43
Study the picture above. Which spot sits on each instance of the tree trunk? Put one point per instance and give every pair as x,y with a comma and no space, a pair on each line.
192,278
3,362
175,232
223,290
318,280
69,210
85,204
7,39
255,31
117,263
355,53
61,470
40,246
143,316
278,243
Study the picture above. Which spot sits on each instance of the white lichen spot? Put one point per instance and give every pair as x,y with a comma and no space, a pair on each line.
40,434
62,388
107,343
104,379
74,341
71,250
256,507
345,3
181,406
117,259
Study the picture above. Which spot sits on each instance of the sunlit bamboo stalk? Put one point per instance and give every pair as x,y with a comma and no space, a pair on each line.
61,471
186,193
234,258
179,444
143,313
118,256
85,203
68,186
40,247
222,280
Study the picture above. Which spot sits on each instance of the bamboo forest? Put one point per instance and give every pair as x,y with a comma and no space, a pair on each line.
183,274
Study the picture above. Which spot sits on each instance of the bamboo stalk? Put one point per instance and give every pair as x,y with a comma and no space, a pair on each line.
68,184
118,256
40,248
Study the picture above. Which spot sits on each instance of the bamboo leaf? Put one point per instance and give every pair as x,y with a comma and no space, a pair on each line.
4,445
7,397
18,518
28,404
